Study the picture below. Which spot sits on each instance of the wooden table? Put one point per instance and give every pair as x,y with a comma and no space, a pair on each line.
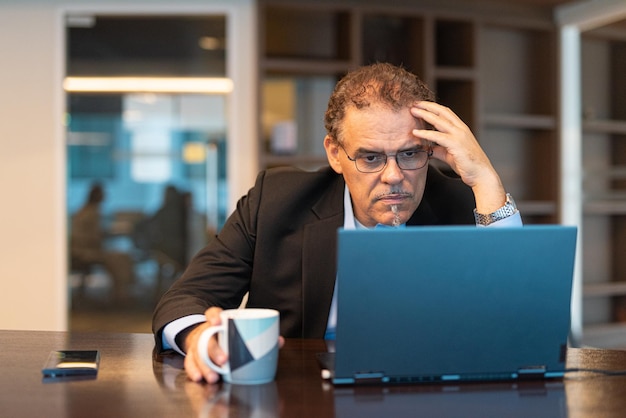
134,382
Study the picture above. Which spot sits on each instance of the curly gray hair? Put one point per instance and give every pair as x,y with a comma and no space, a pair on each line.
379,83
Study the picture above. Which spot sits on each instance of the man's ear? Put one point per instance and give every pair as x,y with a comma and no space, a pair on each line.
332,153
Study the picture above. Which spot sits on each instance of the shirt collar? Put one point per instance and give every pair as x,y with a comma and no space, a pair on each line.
349,221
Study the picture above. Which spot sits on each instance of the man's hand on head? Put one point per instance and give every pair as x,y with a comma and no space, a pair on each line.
455,144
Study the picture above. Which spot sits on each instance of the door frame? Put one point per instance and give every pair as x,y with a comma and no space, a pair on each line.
241,103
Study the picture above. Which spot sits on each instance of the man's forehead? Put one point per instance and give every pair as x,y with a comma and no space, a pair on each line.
379,108
364,127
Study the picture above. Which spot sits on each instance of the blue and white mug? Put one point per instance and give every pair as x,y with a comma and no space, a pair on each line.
250,338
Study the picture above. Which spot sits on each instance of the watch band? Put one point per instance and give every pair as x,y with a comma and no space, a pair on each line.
505,211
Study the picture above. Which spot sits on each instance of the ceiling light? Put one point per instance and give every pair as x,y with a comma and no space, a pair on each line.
206,85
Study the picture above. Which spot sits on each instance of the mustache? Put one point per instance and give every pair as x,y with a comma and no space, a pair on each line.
395,193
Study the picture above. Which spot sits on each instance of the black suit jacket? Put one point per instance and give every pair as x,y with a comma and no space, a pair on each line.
280,246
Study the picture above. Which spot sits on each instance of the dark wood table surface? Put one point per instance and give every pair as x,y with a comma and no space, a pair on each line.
134,382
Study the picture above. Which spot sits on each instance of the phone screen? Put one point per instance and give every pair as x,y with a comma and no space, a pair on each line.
72,363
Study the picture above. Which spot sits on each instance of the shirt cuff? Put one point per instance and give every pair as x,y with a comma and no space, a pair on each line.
171,330
510,221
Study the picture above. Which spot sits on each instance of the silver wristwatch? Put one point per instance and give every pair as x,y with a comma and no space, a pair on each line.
505,211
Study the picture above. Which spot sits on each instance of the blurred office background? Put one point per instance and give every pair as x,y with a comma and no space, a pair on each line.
160,157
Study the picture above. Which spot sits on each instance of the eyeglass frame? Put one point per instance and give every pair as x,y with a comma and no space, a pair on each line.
428,151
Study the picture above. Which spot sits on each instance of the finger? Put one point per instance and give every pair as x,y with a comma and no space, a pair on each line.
443,119
195,368
216,353
447,134
209,375
194,373
438,110
194,365
435,137
213,315
440,124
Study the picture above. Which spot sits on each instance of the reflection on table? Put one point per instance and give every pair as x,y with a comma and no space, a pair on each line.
133,381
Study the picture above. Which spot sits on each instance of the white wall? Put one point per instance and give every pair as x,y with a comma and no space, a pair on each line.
32,149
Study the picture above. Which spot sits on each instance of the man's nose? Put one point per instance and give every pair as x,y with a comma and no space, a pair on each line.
392,173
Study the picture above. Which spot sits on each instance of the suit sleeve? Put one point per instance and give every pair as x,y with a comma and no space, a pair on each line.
219,275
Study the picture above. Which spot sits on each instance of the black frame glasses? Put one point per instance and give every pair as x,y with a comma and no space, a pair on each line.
374,162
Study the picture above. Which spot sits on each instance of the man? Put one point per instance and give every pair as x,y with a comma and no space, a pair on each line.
280,243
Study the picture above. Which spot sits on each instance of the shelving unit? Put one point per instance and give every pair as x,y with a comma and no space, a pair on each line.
604,186
304,50
377,39
519,113
455,74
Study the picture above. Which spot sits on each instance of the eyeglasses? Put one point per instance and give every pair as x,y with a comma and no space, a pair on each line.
373,162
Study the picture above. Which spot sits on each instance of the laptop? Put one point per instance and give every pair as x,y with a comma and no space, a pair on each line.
451,304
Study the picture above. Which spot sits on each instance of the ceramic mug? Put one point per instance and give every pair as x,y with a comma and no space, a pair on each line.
250,338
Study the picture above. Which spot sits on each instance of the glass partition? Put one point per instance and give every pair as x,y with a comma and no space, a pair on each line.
146,153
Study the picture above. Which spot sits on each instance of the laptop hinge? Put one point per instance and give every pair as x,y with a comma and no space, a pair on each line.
370,378
531,372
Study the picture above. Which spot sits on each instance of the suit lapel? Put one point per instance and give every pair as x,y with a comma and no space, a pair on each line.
423,215
319,260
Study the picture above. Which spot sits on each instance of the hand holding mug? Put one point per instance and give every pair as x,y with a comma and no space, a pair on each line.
250,338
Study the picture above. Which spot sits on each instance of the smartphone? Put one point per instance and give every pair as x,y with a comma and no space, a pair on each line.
72,363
